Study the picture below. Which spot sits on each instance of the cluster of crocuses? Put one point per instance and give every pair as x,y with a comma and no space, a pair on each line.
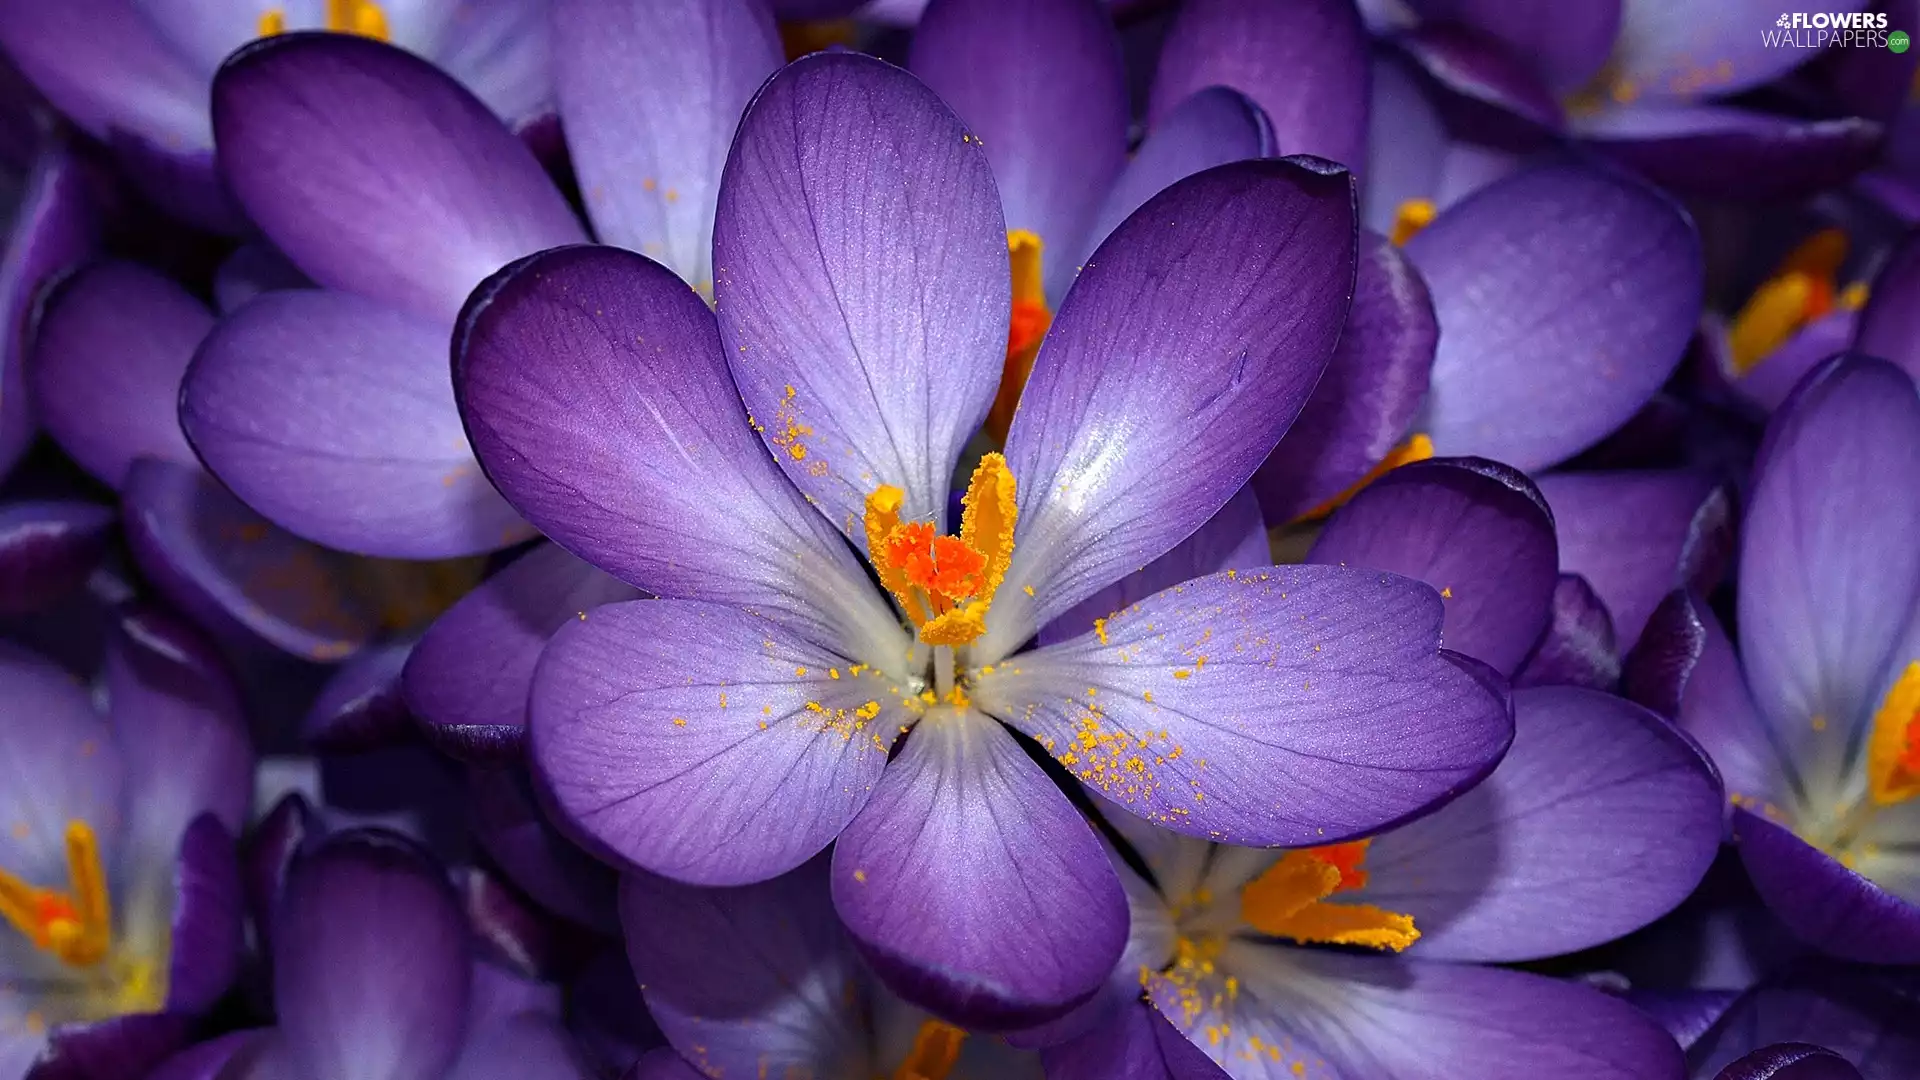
960,540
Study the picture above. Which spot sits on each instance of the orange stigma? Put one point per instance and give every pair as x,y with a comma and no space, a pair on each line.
75,925
1290,901
1893,747
1418,447
1030,322
945,583
1801,290
936,1046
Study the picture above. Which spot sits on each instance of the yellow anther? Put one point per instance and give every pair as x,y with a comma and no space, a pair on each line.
76,925
1031,318
936,1046
273,22
1290,900
1800,291
809,36
1417,447
1893,748
1409,218
362,17
945,583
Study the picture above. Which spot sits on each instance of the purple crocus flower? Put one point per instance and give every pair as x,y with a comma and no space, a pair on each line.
1820,1022
119,893
727,733
135,75
762,980
1812,721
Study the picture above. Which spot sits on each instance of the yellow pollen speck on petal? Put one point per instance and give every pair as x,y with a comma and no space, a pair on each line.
1409,218
945,584
936,1047
1028,589
1028,325
1291,900
1417,447
75,925
1893,748
1446,593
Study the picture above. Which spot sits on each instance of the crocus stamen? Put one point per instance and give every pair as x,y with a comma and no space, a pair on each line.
1893,749
1290,900
1409,218
936,1046
75,925
1417,447
273,22
945,583
362,17
1801,290
1030,321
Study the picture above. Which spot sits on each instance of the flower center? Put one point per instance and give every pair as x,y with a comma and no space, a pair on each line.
1893,748
1030,321
945,583
361,17
1409,218
75,924
936,1046
1290,900
1801,290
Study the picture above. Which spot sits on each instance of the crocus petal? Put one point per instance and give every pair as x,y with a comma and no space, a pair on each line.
52,227
208,926
204,1061
751,981
1042,85
332,416
1578,647
1686,1014
704,742
542,862
467,680
274,843
1722,150
593,386
1233,539
1369,396
376,173
1493,876
1567,46
1482,69
1198,330
861,283
252,269
1137,1042
964,837
651,93
101,63
1865,1019
663,1064
1407,142
1829,572
1304,63
1475,530
1888,328
112,344
524,1047
126,1045
1828,905
1292,706
1215,126
1718,47
1636,536
1539,359
370,967
47,549
360,707
62,765
230,569
1325,1014
1791,1061
1771,380
502,50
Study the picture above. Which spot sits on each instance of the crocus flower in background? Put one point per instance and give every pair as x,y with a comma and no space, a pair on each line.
1799,1023
1813,721
135,75
120,902
727,734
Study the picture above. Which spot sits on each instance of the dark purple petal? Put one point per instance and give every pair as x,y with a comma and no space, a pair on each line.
52,227
1888,326
110,1049
233,571
376,173
525,1047
1726,151
1578,647
1198,329
607,1012
1496,876
1566,44
269,853
1137,1042
704,742
750,981
467,680
1829,906
1865,1019
102,65
209,909
1233,539
1483,70
1367,400
47,550
1298,705
1703,47
517,941
204,1061
1791,1061
861,283
112,344
1305,63
252,269
361,707
371,968
1541,355
1407,142
1475,530
332,416
1042,85
592,383
1829,571
1686,1014
1636,536
966,838
513,829
663,1064
651,93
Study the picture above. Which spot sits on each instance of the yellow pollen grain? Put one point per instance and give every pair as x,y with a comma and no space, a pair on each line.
1028,589
1446,593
